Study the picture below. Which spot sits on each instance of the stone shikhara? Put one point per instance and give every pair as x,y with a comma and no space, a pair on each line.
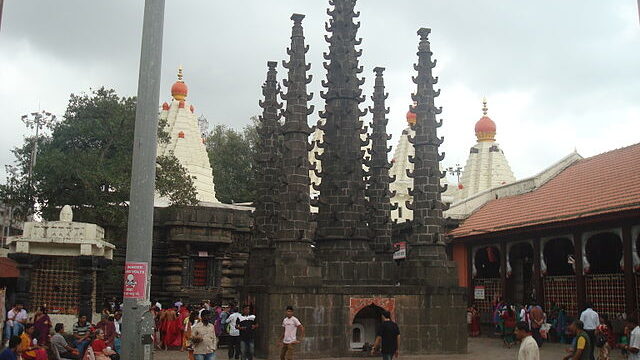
337,271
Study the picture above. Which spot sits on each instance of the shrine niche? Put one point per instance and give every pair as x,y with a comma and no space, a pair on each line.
486,262
357,304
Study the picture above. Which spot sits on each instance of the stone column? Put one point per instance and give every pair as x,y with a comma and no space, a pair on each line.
629,277
87,267
537,271
581,297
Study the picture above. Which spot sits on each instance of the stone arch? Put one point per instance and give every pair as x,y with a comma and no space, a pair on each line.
520,272
604,253
556,253
364,325
487,262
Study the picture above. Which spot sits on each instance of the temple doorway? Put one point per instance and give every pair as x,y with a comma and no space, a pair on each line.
364,326
520,284
487,262
604,252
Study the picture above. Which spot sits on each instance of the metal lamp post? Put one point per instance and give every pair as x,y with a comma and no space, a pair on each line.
137,327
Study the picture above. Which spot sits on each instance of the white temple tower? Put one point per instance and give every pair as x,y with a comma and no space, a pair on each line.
486,167
399,166
186,142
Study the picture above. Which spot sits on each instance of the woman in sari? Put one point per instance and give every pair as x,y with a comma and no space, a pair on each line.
99,350
186,339
509,321
42,325
172,336
28,348
474,328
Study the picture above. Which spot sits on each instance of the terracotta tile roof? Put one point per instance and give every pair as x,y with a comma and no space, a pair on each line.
601,184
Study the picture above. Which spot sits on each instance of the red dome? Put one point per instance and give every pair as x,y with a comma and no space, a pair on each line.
179,90
411,117
181,104
165,106
485,125
191,108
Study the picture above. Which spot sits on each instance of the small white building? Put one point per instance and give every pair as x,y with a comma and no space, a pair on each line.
61,264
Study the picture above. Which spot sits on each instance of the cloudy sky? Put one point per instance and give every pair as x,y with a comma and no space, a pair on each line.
558,75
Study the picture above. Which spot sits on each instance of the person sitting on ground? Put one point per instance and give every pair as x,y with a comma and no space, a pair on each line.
29,349
82,333
60,343
11,351
101,350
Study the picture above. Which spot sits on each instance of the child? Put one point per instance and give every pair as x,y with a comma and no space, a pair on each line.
624,341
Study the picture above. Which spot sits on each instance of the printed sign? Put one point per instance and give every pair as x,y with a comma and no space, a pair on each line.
401,250
135,280
478,292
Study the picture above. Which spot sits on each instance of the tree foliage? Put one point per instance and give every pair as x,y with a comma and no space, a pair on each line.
86,162
232,156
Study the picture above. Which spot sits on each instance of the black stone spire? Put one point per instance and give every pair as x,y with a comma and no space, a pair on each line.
269,162
294,255
378,189
294,196
427,205
341,204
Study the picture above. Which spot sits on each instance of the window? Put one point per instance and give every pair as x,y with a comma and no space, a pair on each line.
202,272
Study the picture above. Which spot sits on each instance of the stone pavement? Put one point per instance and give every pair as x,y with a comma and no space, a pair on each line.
482,348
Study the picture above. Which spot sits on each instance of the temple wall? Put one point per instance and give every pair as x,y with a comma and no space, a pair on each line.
431,320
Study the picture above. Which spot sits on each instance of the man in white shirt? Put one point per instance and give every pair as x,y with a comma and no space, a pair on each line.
234,335
16,318
591,321
289,339
634,340
528,345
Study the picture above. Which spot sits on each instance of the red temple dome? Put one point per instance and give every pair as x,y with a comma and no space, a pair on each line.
179,89
485,127
411,117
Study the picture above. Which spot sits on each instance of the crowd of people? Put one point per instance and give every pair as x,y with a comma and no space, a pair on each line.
196,330
37,338
591,336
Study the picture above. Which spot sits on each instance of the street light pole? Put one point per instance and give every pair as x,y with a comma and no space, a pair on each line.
137,326
39,119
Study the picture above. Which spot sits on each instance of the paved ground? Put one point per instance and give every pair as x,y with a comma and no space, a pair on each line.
479,349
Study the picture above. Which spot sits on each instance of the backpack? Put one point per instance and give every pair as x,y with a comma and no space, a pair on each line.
601,339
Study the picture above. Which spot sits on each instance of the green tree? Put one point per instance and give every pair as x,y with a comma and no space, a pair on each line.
86,162
231,154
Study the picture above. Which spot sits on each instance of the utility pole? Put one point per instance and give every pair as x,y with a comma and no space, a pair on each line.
38,120
137,326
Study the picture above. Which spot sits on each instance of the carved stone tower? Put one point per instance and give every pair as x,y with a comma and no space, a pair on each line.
268,172
294,254
378,190
340,283
426,246
342,231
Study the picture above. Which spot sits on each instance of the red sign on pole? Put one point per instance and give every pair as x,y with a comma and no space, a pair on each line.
135,280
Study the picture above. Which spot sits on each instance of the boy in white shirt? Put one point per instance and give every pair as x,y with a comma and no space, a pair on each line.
289,339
